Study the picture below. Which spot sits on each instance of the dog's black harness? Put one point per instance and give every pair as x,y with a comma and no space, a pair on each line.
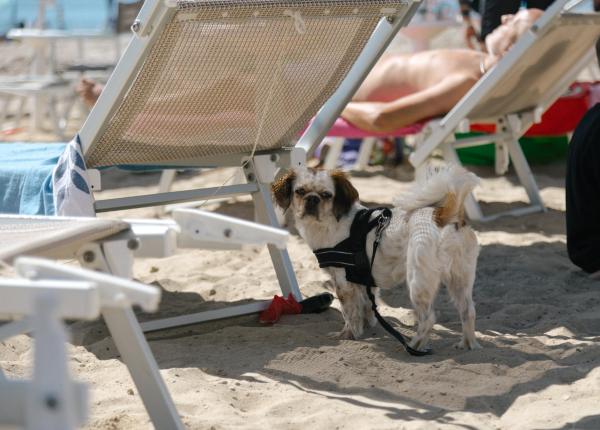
351,254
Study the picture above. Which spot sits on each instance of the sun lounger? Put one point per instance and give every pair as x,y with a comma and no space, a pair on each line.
211,84
513,95
202,84
101,245
109,246
559,120
39,302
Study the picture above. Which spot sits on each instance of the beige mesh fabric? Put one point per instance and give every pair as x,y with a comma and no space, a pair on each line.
544,63
226,75
57,237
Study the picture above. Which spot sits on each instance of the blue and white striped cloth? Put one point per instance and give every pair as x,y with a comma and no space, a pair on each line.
44,179
70,187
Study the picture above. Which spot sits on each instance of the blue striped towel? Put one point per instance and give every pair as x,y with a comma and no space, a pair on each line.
44,179
71,189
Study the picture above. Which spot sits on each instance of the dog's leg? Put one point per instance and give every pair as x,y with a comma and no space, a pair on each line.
462,248
353,299
423,287
460,287
370,320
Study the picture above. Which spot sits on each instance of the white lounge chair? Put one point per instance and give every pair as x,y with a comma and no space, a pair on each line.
212,83
47,294
513,95
206,84
109,246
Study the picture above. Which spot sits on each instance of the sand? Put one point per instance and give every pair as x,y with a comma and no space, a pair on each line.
537,320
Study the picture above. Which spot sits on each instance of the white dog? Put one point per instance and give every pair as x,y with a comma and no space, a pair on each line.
425,244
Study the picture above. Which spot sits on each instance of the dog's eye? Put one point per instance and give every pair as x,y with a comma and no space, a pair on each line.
300,191
326,195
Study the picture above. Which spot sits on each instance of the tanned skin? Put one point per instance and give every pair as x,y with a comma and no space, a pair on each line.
405,89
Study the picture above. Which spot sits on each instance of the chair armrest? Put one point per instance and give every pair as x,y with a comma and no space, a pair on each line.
74,299
207,229
193,228
113,291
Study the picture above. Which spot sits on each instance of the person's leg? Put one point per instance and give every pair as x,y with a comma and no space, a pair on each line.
493,11
428,103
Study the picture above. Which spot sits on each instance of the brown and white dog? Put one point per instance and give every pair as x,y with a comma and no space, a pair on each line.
426,244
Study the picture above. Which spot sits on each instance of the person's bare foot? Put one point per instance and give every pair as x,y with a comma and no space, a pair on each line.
89,91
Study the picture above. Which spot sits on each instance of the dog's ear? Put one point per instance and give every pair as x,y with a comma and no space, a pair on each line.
345,194
282,189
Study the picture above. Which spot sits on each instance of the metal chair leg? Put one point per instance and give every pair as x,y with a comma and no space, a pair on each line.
281,260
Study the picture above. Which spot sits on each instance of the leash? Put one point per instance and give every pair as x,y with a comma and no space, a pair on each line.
383,222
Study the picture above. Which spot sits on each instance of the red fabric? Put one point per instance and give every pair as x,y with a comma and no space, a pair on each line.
280,306
561,118
564,115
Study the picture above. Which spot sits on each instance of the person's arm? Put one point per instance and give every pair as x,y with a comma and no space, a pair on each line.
386,117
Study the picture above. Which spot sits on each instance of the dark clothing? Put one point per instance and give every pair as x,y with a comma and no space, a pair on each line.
466,5
493,10
583,193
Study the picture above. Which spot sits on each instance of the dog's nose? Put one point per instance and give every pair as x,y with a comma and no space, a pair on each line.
312,201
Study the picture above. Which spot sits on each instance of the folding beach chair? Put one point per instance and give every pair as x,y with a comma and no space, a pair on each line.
109,246
513,95
212,83
559,120
51,400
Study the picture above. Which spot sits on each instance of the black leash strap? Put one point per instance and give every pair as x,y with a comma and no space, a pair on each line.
384,221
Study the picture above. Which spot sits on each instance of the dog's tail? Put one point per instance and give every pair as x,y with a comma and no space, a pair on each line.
445,188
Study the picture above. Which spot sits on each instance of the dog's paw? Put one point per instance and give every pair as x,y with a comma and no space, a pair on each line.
418,344
345,334
465,344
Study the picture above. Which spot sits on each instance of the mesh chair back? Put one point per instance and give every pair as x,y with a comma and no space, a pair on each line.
224,77
550,57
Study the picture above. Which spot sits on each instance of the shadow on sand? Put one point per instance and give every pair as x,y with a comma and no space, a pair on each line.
516,333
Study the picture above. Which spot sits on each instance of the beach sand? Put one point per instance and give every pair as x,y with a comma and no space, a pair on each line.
537,320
